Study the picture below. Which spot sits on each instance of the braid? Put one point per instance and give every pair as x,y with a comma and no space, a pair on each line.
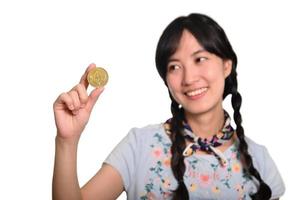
177,148
213,39
264,192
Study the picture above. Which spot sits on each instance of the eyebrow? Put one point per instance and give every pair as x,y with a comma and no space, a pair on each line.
199,51
193,54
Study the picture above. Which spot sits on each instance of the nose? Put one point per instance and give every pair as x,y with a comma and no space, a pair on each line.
190,76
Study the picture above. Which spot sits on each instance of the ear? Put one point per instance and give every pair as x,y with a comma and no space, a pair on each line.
227,67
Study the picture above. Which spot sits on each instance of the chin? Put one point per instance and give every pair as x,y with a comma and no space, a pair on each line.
196,111
199,109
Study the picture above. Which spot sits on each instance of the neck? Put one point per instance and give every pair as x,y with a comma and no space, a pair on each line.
206,124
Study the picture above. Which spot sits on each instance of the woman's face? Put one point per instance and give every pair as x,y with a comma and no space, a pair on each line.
195,77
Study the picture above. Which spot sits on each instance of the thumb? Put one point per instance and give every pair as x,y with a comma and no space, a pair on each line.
93,97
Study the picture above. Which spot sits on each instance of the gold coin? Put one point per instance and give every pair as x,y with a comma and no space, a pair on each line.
97,77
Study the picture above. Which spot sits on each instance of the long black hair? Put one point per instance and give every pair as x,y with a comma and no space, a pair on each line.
214,40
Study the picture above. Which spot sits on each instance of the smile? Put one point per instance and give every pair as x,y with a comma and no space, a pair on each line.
196,92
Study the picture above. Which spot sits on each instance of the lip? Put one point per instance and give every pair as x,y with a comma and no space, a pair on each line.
196,88
196,97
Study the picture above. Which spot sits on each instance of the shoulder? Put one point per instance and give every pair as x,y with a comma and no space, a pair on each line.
254,147
147,134
258,152
148,131
263,162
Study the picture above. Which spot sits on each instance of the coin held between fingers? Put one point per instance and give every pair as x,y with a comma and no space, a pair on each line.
97,77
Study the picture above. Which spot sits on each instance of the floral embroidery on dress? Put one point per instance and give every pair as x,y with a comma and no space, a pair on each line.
162,160
201,174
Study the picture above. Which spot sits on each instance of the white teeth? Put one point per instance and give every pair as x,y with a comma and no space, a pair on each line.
196,92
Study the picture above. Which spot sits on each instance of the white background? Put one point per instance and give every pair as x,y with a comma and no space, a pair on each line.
45,47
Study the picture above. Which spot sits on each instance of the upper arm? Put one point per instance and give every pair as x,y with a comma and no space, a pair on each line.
116,173
106,184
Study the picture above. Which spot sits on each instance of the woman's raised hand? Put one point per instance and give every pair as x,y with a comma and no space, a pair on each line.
72,109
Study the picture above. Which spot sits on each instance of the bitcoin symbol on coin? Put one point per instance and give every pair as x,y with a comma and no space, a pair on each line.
97,77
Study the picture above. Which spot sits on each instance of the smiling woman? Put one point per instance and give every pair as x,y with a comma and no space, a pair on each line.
196,77
196,154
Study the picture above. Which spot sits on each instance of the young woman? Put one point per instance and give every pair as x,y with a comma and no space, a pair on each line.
196,154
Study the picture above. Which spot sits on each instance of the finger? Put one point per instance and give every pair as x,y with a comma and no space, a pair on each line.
93,98
65,100
82,93
83,79
75,98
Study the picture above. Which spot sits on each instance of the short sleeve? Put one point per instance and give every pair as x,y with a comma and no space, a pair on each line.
271,175
123,158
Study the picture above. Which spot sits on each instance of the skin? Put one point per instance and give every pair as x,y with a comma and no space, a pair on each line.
190,68
72,110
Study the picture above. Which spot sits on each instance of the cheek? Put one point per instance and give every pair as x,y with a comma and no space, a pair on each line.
219,87
170,87
216,80
173,88
215,74
172,83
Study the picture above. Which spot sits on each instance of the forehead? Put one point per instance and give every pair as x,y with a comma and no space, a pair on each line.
187,45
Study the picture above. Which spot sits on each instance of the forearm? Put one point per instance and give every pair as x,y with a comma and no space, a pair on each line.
65,182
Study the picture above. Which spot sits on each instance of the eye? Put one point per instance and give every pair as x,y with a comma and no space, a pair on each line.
173,67
200,59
